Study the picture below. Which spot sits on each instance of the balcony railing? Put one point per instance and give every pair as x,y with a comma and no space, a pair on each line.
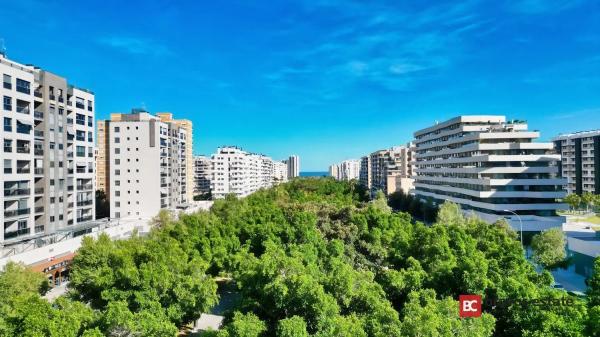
39,190
17,233
23,149
38,133
16,212
84,218
39,209
38,115
8,149
84,187
11,192
38,152
23,170
37,94
84,203
38,170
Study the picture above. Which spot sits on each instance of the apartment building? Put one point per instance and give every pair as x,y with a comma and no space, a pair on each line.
145,164
346,170
391,169
293,166
48,153
186,124
365,172
235,171
580,164
280,172
202,175
491,167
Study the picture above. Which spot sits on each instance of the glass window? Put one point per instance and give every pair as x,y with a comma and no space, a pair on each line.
7,124
23,86
7,103
7,81
80,151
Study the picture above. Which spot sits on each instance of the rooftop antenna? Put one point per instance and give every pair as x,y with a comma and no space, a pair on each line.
2,48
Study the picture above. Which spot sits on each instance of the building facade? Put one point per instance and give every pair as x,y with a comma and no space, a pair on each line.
490,167
48,153
391,169
280,172
235,171
580,163
185,124
145,165
293,166
346,170
202,175
365,172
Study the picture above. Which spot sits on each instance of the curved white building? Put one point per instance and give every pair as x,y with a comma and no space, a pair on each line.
490,166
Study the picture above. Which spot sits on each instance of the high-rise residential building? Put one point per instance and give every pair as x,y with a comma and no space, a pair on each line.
580,163
48,154
280,172
145,164
186,124
235,171
365,172
391,169
293,166
202,174
346,170
491,167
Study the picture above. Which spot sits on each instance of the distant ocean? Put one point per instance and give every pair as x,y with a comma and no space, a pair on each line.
314,174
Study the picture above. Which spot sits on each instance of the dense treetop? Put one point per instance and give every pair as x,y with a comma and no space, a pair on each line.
311,257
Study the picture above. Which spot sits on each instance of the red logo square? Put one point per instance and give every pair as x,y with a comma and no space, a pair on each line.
469,306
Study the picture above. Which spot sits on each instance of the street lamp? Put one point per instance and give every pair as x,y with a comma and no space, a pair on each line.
520,221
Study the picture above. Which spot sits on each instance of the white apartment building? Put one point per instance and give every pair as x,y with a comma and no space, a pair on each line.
202,174
293,166
146,164
490,167
235,171
280,172
580,164
48,153
346,170
365,172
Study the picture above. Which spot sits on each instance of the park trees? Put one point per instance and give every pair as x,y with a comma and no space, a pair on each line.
549,247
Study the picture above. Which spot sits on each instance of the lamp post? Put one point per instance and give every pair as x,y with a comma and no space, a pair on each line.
520,221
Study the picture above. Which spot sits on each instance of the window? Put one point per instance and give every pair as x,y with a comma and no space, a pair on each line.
117,183
52,218
7,145
117,140
117,129
117,193
117,161
23,128
7,82
23,86
79,102
90,108
7,103
80,135
80,151
117,204
117,172
80,119
7,124
90,137
90,121
117,150
7,166
52,145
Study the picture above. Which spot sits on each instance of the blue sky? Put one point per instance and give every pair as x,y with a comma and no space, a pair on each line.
325,79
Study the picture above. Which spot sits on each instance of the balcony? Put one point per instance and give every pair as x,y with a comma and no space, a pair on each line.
38,152
13,192
84,218
39,190
84,203
39,134
23,149
84,187
39,209
38,115
61,99
7,148
52,97
23,170
16,212
17,233
38,171
37,94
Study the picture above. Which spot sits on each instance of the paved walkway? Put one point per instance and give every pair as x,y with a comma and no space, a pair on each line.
55,292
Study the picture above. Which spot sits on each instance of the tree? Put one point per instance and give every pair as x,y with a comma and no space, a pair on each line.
588,199
549,247
245,325
593,290
573,200
162,219
450,213
380,202
292,327
102,205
